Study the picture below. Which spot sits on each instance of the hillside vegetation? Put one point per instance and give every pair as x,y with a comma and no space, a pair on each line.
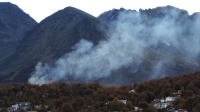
71,97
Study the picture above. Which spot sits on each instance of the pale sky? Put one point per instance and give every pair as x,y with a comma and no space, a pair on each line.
40,9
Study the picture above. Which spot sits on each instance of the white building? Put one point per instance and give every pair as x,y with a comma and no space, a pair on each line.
123,101
138,109
24,104
160,105
170,99
163,103
13,108
177,94
162,100
132,91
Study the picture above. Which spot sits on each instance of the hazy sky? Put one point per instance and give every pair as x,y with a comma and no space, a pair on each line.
40,9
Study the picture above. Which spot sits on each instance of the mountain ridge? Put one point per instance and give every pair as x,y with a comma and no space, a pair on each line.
14,23
73,34
150,18
50,39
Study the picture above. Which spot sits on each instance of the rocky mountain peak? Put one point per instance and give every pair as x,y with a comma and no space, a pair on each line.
49,40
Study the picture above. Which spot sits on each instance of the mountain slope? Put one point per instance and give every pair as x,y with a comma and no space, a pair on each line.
168,28
155,64
171,35
75,46
14,23
49,40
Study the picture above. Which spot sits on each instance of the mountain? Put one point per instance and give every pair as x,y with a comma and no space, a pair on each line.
121,47
171,35
14,23
178,30
48,41
148,14
155,64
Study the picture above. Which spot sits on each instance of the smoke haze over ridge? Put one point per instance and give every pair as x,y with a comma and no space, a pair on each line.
127,45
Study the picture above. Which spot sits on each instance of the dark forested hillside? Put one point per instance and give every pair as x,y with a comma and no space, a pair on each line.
92,97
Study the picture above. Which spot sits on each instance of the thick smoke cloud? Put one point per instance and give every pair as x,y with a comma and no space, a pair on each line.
88,62
127,46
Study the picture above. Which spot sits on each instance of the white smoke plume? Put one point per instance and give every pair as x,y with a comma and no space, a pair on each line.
88,62
127,45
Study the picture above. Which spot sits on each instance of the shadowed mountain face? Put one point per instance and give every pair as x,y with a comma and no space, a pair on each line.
14,23
120,47
49,40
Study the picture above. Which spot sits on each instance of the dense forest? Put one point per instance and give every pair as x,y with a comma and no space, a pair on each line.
94,97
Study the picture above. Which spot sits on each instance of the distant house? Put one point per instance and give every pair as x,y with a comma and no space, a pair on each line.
171,109
123,101
138,109
163,103
160,103
23,106
177,94
13,108
170,99
46,106
19,93
132,91
111,102
37,106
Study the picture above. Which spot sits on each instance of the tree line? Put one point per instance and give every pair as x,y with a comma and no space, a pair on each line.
95,97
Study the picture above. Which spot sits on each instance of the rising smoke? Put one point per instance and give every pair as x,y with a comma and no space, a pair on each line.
134,33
